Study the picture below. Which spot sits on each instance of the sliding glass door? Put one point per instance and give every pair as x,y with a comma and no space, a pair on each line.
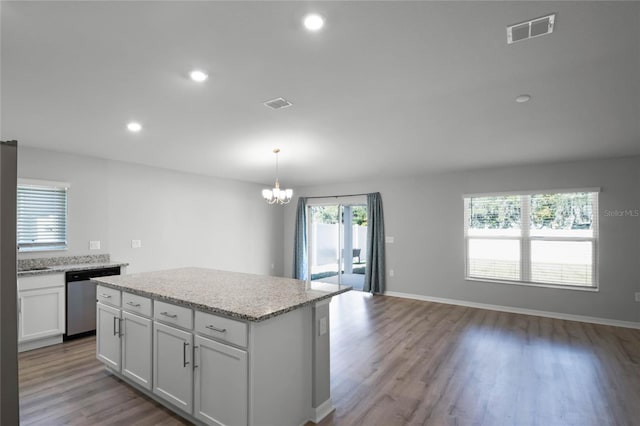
338,243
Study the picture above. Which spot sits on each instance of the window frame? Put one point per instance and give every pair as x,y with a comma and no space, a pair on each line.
50,185
526,239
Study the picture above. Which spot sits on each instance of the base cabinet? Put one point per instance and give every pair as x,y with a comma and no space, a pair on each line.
135,337
123,339
108,335
220,383
41,313
216,370
172,369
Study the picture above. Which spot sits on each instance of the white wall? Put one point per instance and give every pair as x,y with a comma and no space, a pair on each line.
87,199
191,220
182,219
425,215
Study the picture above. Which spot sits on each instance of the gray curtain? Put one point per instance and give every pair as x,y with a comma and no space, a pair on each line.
300,244
375,274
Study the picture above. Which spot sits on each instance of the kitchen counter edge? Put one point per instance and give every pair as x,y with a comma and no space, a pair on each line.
69,268
214,310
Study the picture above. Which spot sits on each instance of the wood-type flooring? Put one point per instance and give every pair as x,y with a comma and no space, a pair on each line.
397,362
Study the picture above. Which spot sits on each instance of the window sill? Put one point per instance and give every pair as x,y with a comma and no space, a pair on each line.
594,289
37,249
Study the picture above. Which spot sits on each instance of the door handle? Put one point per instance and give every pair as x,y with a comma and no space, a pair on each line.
120,333
219,330
184,354
194,356
115,319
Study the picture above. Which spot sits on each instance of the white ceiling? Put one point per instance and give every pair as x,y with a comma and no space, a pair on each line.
386,89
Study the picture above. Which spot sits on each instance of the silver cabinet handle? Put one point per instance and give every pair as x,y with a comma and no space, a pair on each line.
214,328
135,305
167,314
119,330
194,356
184,354
106,296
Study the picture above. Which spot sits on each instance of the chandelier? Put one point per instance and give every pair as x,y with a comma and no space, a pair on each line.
277,195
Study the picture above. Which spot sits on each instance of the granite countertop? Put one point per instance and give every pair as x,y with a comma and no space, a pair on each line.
244,296
66,268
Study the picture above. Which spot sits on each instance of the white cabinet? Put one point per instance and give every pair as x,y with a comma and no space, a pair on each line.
220,383
123,339
135,337
108,322
41,310
172,369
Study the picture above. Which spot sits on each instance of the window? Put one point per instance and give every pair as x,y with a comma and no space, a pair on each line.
42,215
547,238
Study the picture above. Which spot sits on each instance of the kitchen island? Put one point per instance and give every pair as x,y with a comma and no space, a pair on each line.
218,347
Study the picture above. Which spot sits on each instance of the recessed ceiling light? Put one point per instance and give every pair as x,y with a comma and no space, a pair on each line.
313,22
134,127
523,98
199,76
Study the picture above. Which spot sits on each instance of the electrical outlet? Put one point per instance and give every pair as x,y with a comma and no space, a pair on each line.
322,326
391,272
389,240
638,296
94,245
136,243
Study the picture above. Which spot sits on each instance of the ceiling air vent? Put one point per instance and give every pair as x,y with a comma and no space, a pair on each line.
278,103
530,29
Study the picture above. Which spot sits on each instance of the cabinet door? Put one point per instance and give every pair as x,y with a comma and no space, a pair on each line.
221,392
41,313
172,370
108,335
136,348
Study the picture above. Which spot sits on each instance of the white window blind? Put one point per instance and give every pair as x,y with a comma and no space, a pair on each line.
42,216
546,238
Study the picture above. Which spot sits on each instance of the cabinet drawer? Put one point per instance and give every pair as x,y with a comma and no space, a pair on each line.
108,295
37,282
138,304
173,314
221,328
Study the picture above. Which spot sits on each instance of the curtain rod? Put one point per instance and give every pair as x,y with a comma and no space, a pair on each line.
338,196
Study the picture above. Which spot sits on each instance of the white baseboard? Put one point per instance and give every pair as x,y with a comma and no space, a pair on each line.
557,315
39,343
322,411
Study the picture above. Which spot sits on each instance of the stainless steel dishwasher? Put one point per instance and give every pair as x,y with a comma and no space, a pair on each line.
81,300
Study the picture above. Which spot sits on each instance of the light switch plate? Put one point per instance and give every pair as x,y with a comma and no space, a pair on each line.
94,245
136,243
389,240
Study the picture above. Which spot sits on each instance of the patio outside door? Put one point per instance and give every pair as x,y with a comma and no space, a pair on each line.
337,253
